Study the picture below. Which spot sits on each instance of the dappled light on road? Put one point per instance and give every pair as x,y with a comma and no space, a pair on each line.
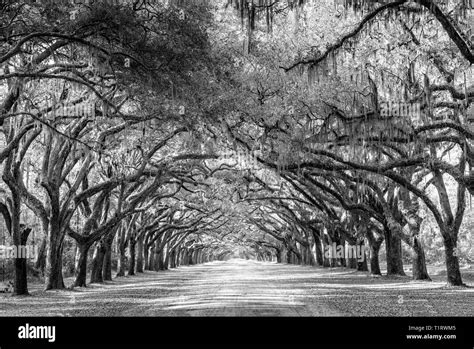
240,287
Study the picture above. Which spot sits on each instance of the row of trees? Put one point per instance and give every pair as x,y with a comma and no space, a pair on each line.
114,116
95,120
352,170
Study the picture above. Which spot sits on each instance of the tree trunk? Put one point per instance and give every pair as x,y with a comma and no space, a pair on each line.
121,246
326,247
97,263
20,283
72,269
20,236
158,257
140,255
80,272
351,260
374,244
181,253
21,276
288,256
121,260
166,260
146,257
393,247
309,254
420,271
299,257
185,256
278,253
362,264
54,264
41,258
339,242
452,263
317,249
178,256
151,258
131,267
107,266
190,257
19,233
374,259
333,262
172,259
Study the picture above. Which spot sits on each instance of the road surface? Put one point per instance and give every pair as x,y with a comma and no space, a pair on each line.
247,288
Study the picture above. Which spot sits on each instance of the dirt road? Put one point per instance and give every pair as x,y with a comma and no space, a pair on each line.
247,288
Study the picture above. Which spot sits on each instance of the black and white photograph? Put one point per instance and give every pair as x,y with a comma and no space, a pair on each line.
166,164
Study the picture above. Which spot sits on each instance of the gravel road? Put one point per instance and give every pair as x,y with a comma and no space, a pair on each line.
248,288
